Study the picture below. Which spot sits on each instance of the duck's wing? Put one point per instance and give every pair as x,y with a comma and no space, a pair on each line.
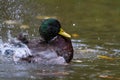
23,38
63,47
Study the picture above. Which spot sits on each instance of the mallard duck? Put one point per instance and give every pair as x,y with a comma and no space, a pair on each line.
54,42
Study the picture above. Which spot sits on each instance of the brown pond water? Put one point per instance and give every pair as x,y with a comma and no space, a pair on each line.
93,24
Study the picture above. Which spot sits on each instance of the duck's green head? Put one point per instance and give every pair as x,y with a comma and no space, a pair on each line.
50,28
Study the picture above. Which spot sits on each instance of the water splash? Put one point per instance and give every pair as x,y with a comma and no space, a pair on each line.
14,48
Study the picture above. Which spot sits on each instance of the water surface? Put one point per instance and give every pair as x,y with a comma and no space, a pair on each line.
94,26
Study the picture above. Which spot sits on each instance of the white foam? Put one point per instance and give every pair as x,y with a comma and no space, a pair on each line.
15,49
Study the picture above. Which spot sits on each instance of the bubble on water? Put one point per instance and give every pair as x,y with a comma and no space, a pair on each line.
74,24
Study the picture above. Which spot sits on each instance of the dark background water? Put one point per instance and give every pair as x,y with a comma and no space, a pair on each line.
93,24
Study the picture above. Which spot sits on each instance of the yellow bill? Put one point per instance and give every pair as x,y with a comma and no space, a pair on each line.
63,33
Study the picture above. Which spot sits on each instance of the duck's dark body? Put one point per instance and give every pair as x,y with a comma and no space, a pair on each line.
62,46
